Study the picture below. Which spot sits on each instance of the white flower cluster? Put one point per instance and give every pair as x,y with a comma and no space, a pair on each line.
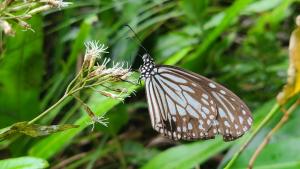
93,51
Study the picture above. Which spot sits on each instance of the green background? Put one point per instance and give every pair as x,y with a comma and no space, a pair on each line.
242,44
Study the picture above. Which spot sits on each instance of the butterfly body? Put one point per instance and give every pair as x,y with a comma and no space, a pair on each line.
186,106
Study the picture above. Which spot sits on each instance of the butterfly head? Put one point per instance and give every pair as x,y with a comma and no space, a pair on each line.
147,68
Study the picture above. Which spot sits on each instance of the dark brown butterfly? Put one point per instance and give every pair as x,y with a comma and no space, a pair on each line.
184,105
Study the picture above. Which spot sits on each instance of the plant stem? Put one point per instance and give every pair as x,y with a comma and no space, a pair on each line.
73,81
253,134
120,152
49,109
282,121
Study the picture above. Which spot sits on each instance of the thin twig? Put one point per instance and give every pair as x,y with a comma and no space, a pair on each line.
120,152
282,121
73,81
48,110
253,134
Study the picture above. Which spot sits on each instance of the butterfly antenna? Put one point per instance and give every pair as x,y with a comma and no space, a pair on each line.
137,38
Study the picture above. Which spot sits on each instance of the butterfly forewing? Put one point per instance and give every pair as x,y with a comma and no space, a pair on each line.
185,105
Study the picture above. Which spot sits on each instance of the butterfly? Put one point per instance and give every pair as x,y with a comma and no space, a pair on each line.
186,106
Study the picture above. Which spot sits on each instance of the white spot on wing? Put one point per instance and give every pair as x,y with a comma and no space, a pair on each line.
190,126
222,91
205,96
200,127
236,126
226,123
184,129
244,112
211,85
241,119
174,118
249,121
222,113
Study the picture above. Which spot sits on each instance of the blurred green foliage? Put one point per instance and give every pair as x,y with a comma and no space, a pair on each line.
241,44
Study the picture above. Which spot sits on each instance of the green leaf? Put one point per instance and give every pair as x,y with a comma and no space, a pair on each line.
263,5
177,56
32,130
172,43
118,117
25,162
284,165
274,154
188,155
137,153
194,9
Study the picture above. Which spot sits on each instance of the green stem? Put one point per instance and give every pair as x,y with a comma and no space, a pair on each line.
22,6
73,81
49,109
253,134
120,152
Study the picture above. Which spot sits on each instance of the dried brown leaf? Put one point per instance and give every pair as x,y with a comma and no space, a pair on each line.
32,130
292,87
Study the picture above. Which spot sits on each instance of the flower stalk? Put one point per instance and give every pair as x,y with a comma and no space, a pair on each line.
90,76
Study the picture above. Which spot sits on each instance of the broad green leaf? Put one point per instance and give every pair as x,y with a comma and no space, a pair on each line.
25,162
138,153
188,155
275,152
259,115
